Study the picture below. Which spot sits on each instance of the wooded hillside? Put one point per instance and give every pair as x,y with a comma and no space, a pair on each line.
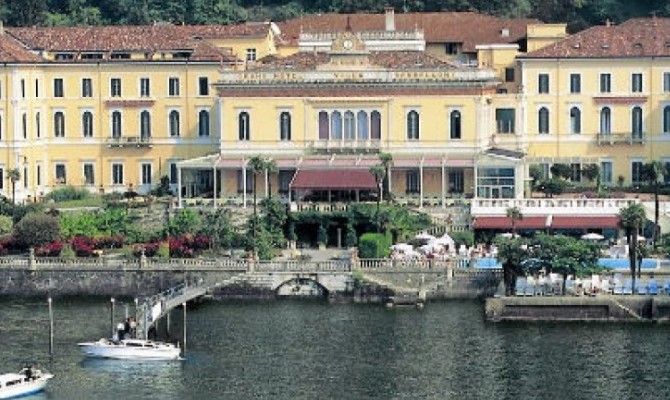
579,14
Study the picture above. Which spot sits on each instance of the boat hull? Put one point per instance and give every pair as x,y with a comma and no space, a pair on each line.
24,389
121,351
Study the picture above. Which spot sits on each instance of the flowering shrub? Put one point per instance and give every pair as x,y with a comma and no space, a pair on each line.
150,249
52,249
110,242
181,247
83,246
201,242
6,245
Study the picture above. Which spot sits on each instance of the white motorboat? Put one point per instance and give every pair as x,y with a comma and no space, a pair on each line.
131,349
28,381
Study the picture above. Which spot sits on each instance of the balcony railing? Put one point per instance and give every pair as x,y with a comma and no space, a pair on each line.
620,138
130,141
347,144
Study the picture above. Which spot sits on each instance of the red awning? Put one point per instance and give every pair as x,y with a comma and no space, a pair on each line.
585,222
534,222
335,179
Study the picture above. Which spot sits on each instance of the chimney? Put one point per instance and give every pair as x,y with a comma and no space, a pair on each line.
390,18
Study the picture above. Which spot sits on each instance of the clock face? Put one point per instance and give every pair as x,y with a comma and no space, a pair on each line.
348,44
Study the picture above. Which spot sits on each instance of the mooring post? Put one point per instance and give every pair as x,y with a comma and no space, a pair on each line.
111,317
183,350
51,328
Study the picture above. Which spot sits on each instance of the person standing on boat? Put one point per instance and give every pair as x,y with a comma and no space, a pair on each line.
120,329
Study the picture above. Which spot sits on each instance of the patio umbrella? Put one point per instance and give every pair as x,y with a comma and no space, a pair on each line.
402,247
444,240
593,236
509,235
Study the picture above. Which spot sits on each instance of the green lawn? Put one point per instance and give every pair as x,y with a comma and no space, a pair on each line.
93,201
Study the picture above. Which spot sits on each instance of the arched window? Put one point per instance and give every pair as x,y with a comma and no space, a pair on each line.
413,125
349,126
116,124
636,122
375,125
666,119
605,121
59,124
455,125
203,123
87,124
174,123
145,124
243,126
543,120
362,125
575,120
285,126
336,125
324,125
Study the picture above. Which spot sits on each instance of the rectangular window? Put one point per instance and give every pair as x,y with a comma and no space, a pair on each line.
117,174
146,174
25,177
666,172
203,86
575,83
666,82
606,172
456,181
605,83
173,87
38,175
115,87
576,172
251,55
2,178
173,173
23,88
412,183
505,120
249,181
543,83
145,87
509,74
89,176
38,125
451,48
545,170
86,87
636,172
636,83
58,87
37,88
61,174
285,178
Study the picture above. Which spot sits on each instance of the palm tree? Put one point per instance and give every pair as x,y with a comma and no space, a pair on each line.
631,219
14,175
386,161
379,173
654,172
514,214
271,168
256,165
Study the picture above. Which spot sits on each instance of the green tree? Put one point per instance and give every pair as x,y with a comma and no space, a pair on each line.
561,171
553,187
256,165
274,219
36,229
514,214
218,228
536,175
26,12
592,173
379,173
270,168
185,221
653,173
631,220
386,162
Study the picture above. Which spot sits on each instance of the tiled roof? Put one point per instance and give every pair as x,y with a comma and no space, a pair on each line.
13,51
385,59
145,38
640,37
468,28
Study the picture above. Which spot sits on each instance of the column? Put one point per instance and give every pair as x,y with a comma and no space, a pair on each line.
389,179
266,183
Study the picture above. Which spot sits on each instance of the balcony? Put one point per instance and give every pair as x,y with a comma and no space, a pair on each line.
130,141
347,146
620,138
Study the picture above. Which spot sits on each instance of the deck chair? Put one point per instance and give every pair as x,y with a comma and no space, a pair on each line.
530,286
628,287
641,287
652,287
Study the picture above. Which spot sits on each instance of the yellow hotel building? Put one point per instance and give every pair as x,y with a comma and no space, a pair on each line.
463,112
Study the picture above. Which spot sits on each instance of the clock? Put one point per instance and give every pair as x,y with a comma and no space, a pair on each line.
348,44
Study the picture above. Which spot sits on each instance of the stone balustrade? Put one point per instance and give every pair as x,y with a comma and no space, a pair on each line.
553,206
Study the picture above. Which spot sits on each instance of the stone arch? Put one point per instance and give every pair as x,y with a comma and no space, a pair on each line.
301,287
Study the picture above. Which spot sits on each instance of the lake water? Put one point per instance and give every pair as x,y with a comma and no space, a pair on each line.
312,350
